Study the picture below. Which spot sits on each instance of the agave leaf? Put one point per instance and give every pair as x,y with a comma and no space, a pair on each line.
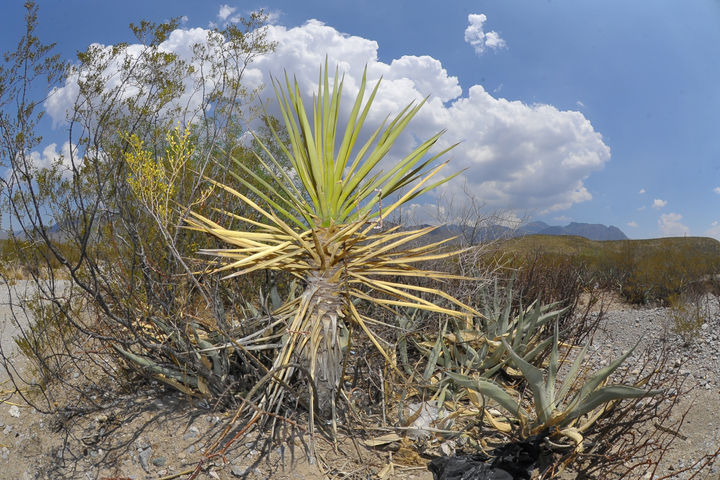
552,369
497,424
155,368
404,324
382,440
572,374
607,394
537,383
537,350
522,321
434,354
491,390
574,435
203,386
597,378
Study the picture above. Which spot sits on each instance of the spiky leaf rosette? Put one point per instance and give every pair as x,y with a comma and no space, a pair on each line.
319,222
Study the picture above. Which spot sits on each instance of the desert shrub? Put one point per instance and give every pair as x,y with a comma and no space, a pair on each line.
688,312
108,216
539,275
646,274
551,277
641,271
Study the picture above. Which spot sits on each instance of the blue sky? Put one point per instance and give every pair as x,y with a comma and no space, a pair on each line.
568,110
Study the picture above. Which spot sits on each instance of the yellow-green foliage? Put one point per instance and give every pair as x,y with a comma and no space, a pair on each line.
154,180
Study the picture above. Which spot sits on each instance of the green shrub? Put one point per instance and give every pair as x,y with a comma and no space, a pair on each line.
688,314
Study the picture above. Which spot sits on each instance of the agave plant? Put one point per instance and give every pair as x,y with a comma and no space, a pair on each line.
322,222
567,411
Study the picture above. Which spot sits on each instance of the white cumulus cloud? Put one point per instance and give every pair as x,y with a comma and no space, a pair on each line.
480,40
642,190
658,203
632,224
714,230
517,156
225,16
51,157
225,11
716,190
671,225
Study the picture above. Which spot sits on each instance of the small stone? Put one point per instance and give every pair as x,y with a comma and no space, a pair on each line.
14,411
159,461
142,444
7,429
144,458
192,433
238,470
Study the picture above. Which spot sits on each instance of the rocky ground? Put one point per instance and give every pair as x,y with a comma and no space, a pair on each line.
156,434
696,362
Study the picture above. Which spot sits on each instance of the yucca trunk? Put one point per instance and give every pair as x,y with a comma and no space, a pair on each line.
322,354
324,357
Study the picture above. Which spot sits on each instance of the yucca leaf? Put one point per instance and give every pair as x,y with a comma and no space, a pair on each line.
354,126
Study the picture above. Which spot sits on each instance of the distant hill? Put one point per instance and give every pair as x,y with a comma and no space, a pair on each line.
591,231
484,234
592,250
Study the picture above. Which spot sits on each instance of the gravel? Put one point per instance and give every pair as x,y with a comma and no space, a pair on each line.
699,362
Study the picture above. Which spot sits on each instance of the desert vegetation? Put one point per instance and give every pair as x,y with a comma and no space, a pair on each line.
158,254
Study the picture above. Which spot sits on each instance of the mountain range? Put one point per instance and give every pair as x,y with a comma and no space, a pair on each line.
481,234
591,231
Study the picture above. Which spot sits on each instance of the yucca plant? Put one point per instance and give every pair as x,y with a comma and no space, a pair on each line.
322,222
